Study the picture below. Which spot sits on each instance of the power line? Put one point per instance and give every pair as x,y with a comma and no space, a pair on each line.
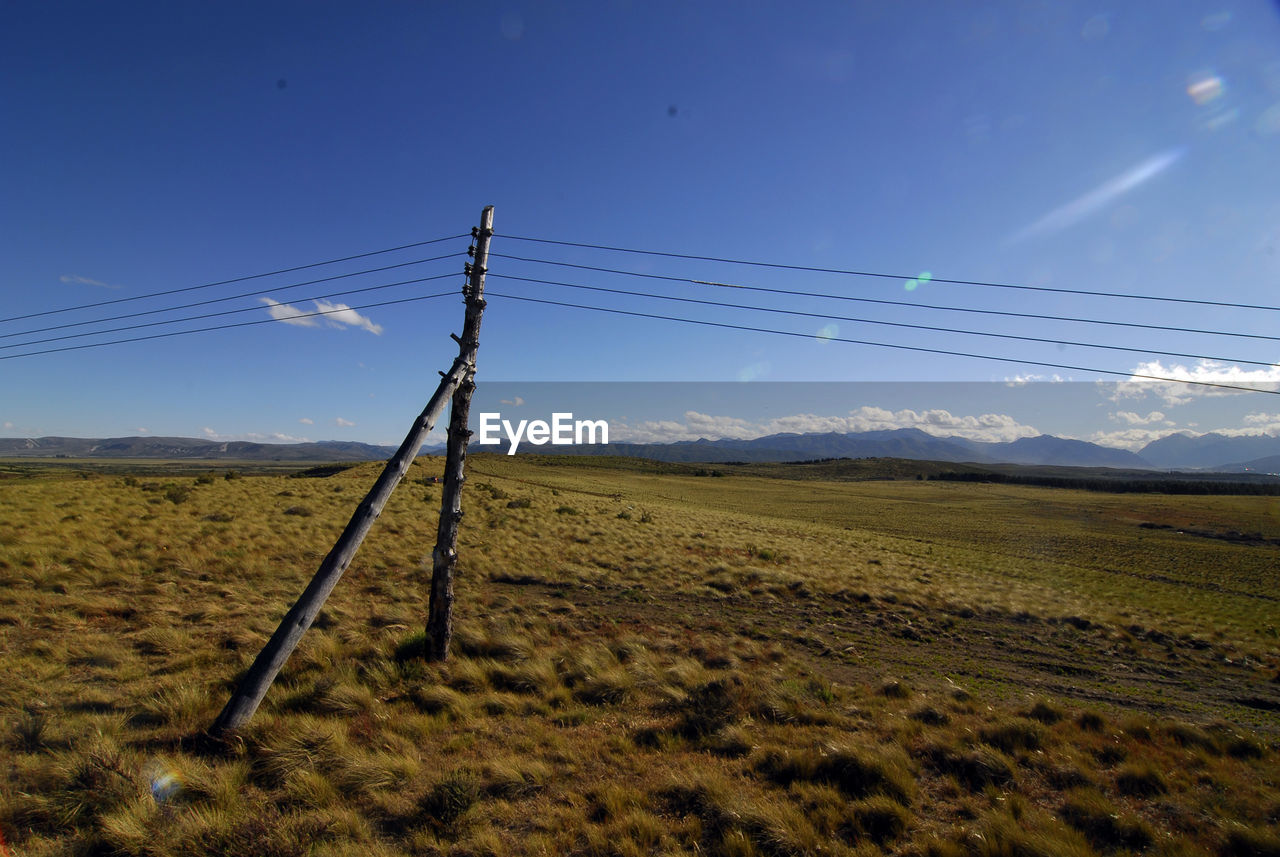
236,279
886,302
828,317
917,348
224,326
882,275
228,298
255,308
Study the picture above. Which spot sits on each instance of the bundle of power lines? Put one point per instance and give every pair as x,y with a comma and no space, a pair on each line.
610,273
845,288
46,332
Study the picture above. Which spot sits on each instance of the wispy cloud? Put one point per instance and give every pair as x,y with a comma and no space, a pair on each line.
307,421
339,421
288,314
72,279
1100,197
340,314
514,402
333,315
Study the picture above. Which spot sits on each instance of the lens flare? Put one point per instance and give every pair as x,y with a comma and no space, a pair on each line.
1205,88
1216,21
1096,28
1221,118
512,26
1268,122
912,285
828,332
1095,200
166,783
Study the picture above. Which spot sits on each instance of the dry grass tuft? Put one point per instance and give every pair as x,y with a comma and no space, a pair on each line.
1142,780
975,769
1247,841
1103,824
1012,735
858,772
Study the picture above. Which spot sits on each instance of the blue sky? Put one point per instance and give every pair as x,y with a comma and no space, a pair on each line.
156,146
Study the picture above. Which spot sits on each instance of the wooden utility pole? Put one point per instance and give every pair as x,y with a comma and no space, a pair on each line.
253,687
444,559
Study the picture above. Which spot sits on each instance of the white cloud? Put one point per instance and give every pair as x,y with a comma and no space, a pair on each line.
1254,424
339,421
1205,372
142,430
72,279
307,421
515,402
941,423
1130,418
281,437
1144,430
1098,198
1132,439
255,437
288,314
334,315
1264,421
1023,380
343,314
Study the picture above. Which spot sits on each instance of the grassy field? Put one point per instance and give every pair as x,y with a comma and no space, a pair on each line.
647,662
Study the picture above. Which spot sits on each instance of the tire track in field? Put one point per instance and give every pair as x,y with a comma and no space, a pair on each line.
1005,655
1192,584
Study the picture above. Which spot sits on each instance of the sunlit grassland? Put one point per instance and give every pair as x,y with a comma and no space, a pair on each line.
639,668
1054,552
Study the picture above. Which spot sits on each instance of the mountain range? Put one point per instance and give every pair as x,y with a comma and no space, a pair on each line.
1175,452
199,449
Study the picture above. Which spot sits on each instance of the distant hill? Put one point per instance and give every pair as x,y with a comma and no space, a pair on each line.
1047,449
189,448
1209,450
1270,464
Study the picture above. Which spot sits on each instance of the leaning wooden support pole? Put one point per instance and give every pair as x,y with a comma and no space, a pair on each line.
444,558
253,687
